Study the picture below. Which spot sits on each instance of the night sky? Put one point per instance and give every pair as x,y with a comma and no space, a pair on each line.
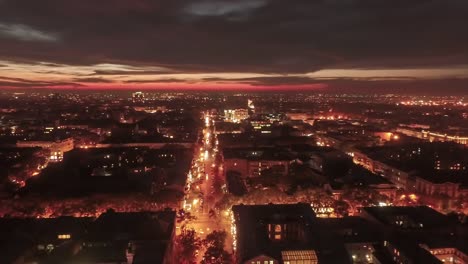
335,45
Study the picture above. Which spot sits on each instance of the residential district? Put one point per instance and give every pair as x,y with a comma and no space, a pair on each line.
257,178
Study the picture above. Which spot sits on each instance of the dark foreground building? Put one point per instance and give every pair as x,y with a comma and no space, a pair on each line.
291,234
117,238
274,233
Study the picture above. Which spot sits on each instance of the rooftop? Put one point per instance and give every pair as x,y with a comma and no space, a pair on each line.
409,217
254,223
258,154
133,226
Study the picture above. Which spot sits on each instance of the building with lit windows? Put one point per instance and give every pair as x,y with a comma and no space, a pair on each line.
255,162
411,218
417,235
401,251
264,126
37,240
291,233
444,137
299,116
57,148
138,97
451,185
251,106
130,238
433,136
236,115
395,175
434,170
274,234
447,254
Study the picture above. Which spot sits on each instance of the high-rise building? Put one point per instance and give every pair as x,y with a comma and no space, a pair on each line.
138,97
250,106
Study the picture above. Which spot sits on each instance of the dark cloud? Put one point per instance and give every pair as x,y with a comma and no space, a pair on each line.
92,80
452,86
13,79
168,80
457,86
52,64
125,72
24,83
6,84
277,35
220,8
266,81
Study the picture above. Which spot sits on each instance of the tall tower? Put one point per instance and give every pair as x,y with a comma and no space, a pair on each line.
250,106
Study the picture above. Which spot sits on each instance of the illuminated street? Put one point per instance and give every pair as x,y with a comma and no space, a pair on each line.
201,198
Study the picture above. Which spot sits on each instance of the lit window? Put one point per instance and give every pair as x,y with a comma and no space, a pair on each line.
277,228
277,232
64,236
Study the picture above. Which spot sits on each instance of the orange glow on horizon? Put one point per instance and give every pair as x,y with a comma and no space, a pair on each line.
182,86
20,75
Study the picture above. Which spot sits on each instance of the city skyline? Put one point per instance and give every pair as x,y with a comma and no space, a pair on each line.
232,177
234,131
